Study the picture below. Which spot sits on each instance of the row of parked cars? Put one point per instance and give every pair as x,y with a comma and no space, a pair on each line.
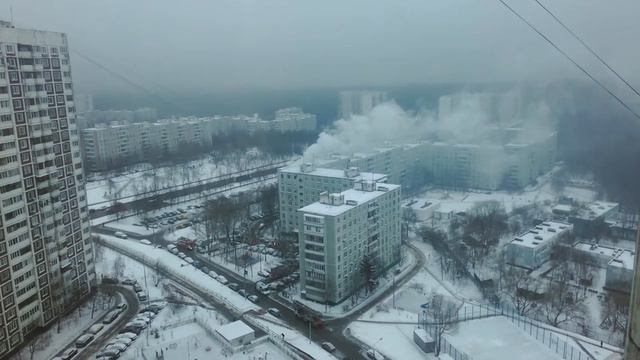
129,333
85,339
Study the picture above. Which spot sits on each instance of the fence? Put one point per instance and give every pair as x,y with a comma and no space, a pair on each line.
562,345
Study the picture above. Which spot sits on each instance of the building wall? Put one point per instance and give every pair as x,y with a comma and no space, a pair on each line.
332,247
111,146
46,256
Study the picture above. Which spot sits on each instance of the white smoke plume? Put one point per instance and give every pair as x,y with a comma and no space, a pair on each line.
464,119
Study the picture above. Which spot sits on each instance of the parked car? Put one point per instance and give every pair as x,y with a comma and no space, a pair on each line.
204,269
127,335
95,329
129,281
121,347
120,235
108,354
253,298
182,255
221,279
275,312
263,273
84,340
142,296
121,307
213,274
145,242
243,292
234,286
112,315
137,287
188,260
69,353
328,346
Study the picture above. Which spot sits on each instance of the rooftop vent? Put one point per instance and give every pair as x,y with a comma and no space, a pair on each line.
352,202
306,167
351,172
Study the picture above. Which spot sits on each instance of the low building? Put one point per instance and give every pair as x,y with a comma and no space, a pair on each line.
236,333
343,231
620,272
591,219
594,254
423,340
533,247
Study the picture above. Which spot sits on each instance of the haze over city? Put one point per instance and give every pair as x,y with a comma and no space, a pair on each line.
257,180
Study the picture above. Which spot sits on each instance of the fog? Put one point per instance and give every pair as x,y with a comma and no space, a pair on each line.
465,123
172,46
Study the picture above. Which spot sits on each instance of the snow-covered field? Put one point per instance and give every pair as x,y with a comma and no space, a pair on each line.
496,338
132,183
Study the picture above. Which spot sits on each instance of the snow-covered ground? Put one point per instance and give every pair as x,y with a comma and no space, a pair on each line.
185,332
348,306
261,262
70,327
496,338
173,264
276,329
132,183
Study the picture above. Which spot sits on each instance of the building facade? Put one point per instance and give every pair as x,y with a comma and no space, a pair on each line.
301,185
107,147
512,165
342,231
533,247
46,255
359,102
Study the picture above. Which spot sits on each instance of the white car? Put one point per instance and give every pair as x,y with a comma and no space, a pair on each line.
128,335
182,255
222,280
213,274
120,235
145,242
188,260
253,298
124,340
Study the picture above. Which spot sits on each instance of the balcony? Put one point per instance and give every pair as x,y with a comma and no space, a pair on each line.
26,67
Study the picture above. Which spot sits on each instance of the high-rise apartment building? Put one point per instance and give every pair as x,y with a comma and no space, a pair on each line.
343,231
632,342
46,256
359,102
301,185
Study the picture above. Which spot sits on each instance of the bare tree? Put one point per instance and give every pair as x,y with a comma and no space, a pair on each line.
520,290
562,302
38,343
368,271
118,267
442,311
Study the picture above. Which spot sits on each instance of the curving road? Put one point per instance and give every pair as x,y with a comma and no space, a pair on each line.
333,329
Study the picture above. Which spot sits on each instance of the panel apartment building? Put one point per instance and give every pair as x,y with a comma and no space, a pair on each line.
46,256
337,233
112,146
509,163
301,185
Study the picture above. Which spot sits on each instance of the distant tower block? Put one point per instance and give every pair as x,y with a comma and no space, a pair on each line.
632,347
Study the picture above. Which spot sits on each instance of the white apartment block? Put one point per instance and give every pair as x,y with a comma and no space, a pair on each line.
112,146
533,247
512,165
301,185
46,256
339,231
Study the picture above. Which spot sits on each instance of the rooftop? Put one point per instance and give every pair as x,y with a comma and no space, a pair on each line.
333,173
541,234
234,330
624,260
352,198
596,209
597,249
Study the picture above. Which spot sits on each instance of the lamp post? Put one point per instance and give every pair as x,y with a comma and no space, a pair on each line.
375,352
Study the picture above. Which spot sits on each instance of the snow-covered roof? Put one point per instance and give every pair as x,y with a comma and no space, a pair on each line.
358,196
564,208
234,330
624,260
333,173
597,209
596,249
541,234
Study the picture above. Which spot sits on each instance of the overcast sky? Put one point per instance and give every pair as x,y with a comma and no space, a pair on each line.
212,44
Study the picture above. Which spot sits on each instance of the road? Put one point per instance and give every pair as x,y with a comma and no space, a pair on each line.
331,332
98,343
